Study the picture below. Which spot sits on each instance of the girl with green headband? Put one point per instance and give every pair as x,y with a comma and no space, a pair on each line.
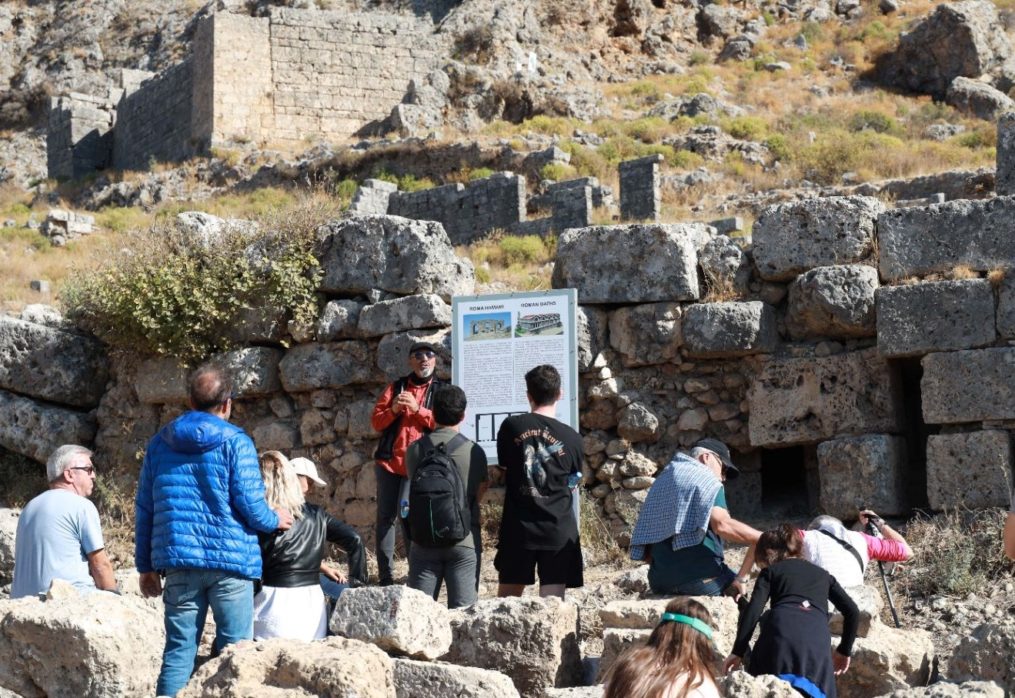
678,661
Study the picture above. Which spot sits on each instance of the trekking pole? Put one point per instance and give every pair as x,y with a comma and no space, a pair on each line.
875,530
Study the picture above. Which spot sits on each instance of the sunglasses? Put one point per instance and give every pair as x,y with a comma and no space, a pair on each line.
90,469
423,354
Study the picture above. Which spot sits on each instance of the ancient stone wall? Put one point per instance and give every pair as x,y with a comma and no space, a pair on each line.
334,72
154,121
79,135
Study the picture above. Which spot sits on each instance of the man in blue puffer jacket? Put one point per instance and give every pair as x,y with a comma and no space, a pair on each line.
199,506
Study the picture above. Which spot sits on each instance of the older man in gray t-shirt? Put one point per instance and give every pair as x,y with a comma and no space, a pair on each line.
59,535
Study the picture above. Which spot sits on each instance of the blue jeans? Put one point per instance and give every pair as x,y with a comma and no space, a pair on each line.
187,595
707,587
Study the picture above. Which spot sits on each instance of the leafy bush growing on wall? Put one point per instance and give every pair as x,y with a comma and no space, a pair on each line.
172,293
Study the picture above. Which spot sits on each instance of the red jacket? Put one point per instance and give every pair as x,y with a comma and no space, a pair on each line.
412,426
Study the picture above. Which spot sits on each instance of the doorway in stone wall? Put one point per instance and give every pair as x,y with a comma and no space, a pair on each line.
787,484
914,429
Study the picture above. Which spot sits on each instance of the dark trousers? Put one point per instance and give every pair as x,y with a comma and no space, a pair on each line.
389,491
352,545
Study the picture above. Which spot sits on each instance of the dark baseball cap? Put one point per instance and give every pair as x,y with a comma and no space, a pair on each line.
418,346
719,448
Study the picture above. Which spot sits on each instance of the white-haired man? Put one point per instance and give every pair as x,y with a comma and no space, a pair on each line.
59,535
684,521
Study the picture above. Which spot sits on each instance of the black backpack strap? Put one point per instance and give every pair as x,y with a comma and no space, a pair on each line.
847,546
454,442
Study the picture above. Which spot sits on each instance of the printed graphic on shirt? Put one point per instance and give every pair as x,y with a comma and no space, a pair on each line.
539,456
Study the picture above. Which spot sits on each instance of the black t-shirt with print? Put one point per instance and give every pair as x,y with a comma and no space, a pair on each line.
538,454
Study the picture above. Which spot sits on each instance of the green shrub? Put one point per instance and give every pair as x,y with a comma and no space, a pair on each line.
778,145
122,219
480,173
557,171
523,249
548,125
648,129
869,120
749,128
172,296
345,189
699,57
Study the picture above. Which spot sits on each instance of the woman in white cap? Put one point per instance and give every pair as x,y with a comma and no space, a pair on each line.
290,602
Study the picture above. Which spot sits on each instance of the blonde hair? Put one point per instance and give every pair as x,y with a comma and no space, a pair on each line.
676,655
281,483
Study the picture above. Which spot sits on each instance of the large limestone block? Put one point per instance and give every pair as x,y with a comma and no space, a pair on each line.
936,316
254,370
868,601
943,689
161,381
408,313
1004,178
803,400
972,469
728,330
8,533
647,334
935,239
591,323
867,469
395,618
414,679
336,666
791,238
987,654
392,254
957,39
339,320
630,263
644,614
393,351
976,98
330,365
35,429
50,364
740,684
968,386
532,640
96,645
833,302
616,641
1006,299
886,660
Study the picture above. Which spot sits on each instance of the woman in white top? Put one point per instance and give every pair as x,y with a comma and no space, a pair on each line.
678,661
844,554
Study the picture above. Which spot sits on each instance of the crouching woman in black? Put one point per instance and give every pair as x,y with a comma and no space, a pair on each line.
794,643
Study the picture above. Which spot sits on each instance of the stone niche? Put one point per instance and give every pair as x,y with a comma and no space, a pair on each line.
805,400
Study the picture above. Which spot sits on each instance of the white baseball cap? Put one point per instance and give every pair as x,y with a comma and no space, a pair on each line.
306,467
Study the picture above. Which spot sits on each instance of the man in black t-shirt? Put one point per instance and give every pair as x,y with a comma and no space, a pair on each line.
540,457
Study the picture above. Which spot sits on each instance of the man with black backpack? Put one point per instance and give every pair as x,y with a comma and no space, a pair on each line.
447,480
402,414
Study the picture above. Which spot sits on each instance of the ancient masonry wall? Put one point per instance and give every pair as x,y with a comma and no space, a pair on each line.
154,121
334,72
79,135
298,75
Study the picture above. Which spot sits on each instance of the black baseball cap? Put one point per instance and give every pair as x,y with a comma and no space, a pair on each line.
419,346
719,448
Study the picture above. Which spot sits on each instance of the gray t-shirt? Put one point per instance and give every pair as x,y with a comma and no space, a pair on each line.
56,532
471,462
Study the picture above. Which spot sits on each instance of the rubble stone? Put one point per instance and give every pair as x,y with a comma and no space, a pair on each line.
969,470
408,313
647,334
395,618
329,365
532,640
36,429
161,381
414,679
886,660
987,654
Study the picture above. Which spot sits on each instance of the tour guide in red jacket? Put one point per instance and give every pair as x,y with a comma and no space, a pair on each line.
402,415
199,504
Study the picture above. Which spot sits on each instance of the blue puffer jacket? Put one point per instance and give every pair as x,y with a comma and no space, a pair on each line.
201,500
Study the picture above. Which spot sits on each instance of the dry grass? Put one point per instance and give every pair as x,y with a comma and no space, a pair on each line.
996,276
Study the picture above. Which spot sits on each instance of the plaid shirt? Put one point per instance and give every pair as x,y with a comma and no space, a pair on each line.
679,504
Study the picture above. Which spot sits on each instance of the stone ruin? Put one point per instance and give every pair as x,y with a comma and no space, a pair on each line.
294,75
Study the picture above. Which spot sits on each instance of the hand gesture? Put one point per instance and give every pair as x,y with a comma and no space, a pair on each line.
732,663
407,401
840,662
151,584
332,574
285,519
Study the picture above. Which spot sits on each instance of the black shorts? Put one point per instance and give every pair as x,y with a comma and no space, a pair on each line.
515,565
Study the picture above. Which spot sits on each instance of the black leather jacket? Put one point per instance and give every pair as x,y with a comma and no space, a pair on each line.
293,558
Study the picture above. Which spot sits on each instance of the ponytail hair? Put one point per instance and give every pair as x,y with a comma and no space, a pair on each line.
675,651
